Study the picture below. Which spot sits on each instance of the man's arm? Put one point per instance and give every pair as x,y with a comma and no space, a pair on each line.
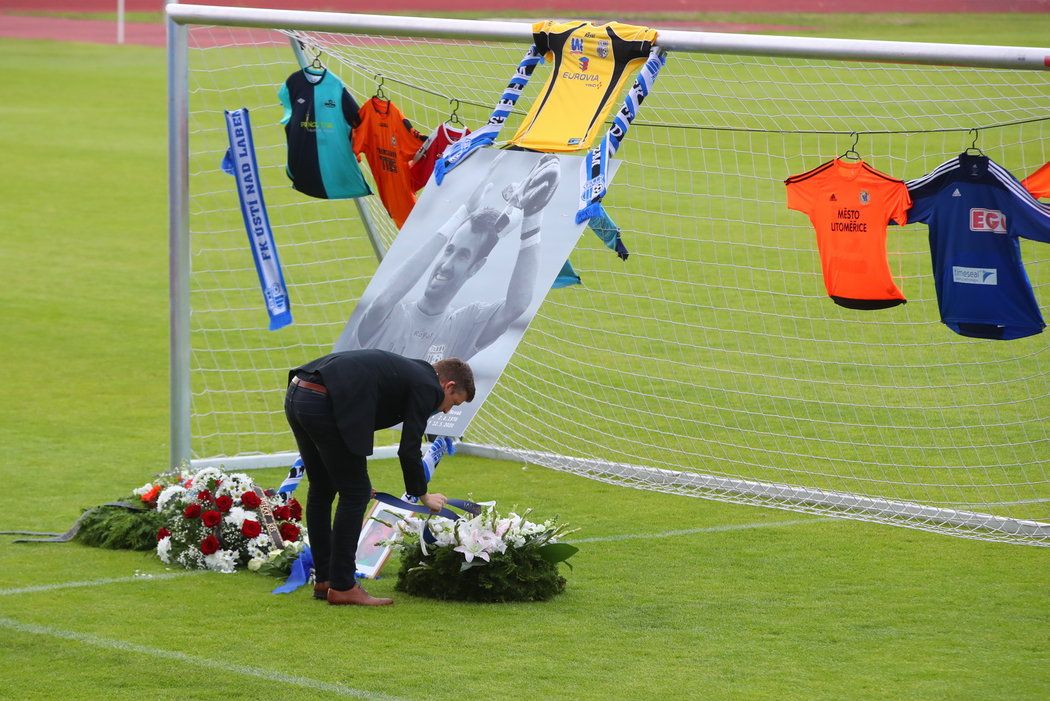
417,412
521,285
536,192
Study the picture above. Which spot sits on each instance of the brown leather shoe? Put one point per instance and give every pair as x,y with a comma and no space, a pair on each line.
355,597
321,590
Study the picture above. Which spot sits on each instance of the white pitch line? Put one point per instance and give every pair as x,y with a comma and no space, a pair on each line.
693,531
93,583
243,670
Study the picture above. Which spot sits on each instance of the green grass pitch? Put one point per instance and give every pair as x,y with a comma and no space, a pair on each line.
669,597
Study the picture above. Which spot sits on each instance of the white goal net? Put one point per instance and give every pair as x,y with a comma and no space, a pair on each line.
710,363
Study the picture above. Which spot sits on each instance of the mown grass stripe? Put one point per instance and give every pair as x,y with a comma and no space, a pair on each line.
93,583
228,667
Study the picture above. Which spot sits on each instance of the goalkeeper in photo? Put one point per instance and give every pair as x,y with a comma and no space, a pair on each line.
430,325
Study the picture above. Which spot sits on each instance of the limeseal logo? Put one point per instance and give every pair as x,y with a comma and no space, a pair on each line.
975,276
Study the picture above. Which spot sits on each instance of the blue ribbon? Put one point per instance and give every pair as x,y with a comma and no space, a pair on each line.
300,573
461,504
469,507
241,164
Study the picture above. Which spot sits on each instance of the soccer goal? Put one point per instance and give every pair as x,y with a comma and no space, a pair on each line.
710,363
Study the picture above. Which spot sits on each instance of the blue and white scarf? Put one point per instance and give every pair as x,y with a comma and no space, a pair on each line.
241,164
595,167
458,152
295,476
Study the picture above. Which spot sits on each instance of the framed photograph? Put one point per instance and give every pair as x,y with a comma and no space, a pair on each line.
378,526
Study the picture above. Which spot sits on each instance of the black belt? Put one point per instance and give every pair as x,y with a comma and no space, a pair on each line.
320,389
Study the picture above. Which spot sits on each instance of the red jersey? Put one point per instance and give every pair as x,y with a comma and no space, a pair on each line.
388,141
1038,183
849,205
431,150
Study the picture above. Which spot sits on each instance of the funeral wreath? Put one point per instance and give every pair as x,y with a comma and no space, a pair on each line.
486,558
220,522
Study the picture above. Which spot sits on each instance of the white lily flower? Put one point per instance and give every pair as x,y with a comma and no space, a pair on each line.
471,548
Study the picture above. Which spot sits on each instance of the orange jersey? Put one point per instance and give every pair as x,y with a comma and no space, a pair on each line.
849,205
1038,183
389,142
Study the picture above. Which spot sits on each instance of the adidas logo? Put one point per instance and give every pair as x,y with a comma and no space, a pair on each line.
833,198
956,193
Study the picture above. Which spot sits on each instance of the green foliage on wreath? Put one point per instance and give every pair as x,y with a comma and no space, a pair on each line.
487,557
118,528
278,562
520,574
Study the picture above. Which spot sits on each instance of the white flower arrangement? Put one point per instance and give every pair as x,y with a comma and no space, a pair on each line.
212,521
488,557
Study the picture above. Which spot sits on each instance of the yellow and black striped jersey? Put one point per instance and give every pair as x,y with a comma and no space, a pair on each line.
590,65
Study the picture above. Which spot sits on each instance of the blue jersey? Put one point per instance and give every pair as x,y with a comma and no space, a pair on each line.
318,115
976,211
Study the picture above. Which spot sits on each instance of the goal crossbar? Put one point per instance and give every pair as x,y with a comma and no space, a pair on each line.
673,40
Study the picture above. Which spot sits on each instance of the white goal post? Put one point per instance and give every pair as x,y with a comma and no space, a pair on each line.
710,363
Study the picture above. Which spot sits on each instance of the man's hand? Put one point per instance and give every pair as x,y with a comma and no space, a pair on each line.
433,501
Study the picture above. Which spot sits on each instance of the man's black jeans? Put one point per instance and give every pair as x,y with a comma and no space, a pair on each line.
331,469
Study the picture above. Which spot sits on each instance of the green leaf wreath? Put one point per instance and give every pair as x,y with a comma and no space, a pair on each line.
487,558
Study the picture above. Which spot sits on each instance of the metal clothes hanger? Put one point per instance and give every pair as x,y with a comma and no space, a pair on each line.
453,119
973,150
851,153
316,63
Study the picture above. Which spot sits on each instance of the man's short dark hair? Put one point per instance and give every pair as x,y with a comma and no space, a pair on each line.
459,372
